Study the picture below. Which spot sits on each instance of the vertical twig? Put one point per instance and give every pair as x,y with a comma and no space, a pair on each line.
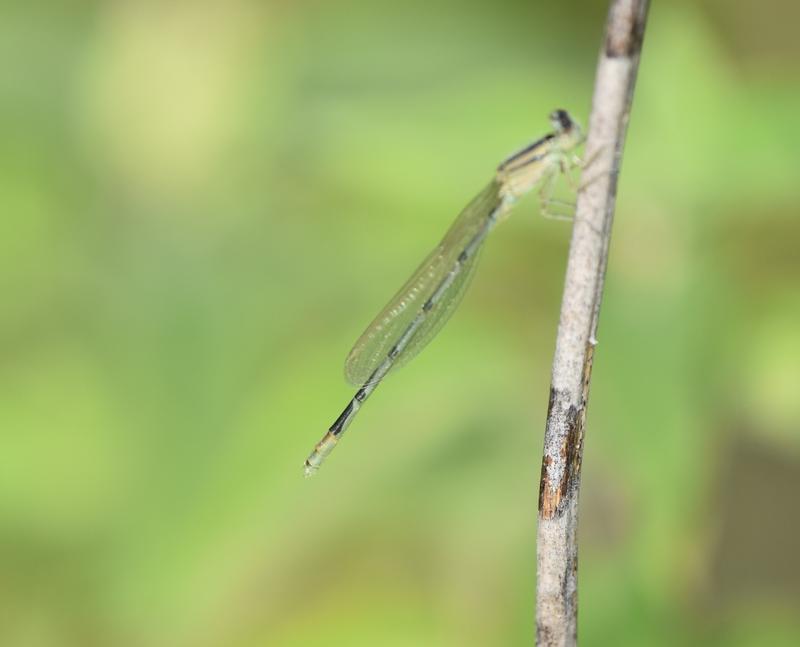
557,549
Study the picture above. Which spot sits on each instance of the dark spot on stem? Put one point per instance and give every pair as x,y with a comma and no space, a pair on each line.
553,496
625,29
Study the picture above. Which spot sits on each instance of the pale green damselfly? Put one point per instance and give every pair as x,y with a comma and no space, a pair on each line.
421,307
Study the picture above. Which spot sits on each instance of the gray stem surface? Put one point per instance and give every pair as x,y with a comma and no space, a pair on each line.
557,546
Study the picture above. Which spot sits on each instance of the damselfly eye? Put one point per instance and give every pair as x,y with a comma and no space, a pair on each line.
561,120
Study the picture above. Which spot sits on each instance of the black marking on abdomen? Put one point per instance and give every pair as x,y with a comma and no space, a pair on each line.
338,426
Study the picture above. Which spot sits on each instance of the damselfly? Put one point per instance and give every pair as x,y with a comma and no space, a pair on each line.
421,307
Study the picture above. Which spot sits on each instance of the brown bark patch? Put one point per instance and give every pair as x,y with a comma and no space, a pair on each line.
553,494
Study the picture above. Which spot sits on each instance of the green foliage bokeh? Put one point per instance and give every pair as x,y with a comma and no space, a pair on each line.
202,206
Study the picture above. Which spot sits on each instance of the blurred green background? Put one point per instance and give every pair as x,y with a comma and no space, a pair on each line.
204,203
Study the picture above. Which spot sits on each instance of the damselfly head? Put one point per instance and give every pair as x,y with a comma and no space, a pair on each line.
561,121
567,131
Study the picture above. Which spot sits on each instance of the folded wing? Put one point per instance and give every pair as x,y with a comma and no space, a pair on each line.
374,344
